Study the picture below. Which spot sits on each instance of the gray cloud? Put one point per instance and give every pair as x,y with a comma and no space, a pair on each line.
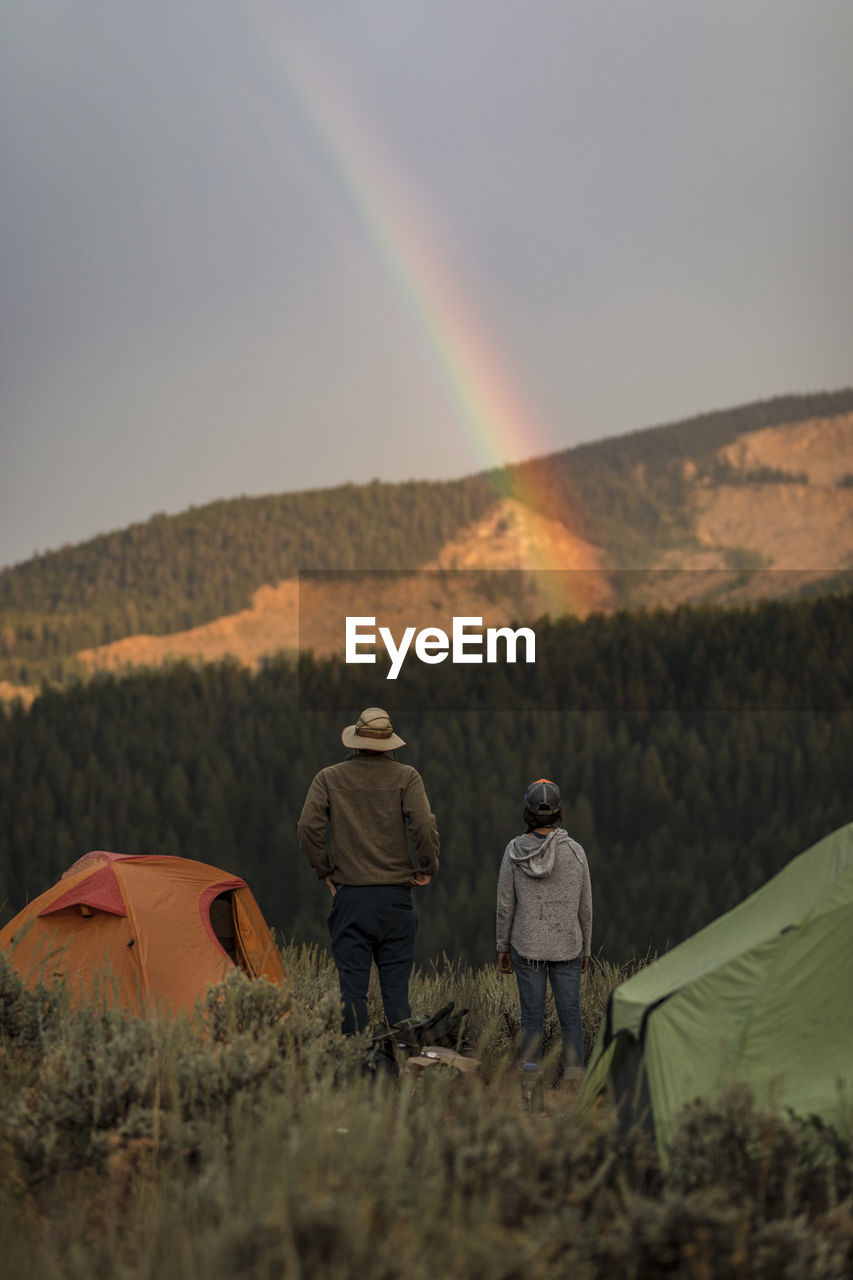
646,207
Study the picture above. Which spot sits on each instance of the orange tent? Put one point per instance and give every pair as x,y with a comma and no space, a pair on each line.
153,930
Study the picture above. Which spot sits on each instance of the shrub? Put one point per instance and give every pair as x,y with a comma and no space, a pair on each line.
248,1140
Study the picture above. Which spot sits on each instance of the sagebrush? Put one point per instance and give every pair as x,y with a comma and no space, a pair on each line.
250,1141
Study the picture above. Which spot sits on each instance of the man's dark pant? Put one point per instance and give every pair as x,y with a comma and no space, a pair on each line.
373,922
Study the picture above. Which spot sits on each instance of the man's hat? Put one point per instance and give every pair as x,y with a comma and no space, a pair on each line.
372,732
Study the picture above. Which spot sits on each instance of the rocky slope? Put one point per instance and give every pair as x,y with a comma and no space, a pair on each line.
771,514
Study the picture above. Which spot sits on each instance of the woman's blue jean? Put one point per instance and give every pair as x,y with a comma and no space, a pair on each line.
533,977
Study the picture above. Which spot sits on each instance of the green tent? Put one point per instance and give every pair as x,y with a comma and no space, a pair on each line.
763,995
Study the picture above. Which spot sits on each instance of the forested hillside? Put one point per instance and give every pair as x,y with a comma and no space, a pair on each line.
698,750
632,520
175,572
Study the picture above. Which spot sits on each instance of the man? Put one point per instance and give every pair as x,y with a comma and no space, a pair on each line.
384,841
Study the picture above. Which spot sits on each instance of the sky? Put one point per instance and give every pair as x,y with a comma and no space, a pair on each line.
263,246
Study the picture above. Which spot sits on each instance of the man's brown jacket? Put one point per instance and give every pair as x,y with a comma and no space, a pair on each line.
372,802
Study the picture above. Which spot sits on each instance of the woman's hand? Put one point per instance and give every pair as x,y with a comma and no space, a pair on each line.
504,962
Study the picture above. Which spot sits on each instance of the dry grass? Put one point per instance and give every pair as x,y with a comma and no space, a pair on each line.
251,1142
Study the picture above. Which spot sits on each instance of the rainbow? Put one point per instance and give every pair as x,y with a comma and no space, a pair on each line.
488,404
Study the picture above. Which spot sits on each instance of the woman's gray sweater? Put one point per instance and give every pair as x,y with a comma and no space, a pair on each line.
545,898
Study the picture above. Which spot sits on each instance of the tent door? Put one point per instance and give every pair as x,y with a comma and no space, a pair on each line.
255,949
630,1083
236,933
223,920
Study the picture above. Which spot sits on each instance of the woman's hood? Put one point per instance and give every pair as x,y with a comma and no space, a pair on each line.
534,854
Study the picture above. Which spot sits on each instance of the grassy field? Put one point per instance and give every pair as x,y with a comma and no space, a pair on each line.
251,1143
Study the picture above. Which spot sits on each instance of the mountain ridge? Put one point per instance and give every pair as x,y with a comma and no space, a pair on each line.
730,491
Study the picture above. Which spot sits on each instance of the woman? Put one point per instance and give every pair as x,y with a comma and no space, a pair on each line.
544,925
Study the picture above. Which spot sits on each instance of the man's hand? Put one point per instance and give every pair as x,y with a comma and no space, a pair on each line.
420,878
333,888
585,964
504,962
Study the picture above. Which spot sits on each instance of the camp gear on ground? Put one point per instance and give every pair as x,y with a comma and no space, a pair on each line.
411,1039
761,997
372,731
437,1055
147,931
